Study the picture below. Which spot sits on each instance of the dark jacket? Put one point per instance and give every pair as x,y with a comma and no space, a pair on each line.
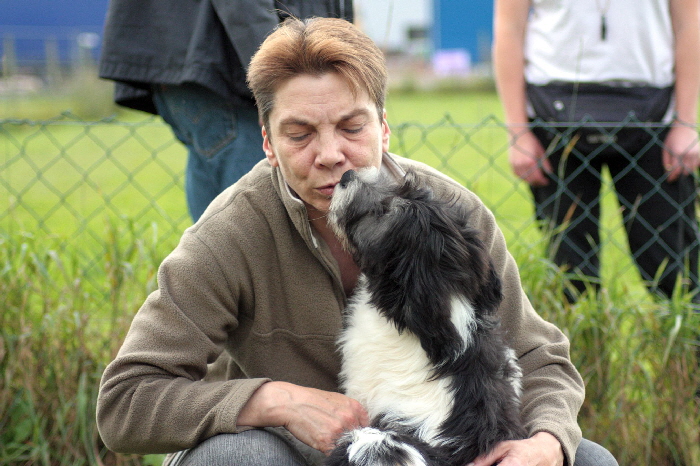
206,42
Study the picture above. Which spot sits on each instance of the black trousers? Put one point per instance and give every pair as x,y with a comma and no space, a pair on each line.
659,216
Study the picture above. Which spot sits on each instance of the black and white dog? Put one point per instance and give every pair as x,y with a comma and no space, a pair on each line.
421,348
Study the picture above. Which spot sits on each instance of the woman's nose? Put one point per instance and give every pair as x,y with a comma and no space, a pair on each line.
330,151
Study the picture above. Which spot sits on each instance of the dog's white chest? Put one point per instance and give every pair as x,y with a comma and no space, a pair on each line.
389,373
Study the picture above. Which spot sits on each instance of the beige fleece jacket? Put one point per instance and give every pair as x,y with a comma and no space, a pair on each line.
251,278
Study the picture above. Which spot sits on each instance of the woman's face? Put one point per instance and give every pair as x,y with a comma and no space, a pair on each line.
318,130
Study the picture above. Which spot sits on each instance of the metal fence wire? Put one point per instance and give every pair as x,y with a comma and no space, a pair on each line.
70,181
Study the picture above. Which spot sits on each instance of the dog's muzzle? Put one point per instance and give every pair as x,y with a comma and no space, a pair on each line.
347,178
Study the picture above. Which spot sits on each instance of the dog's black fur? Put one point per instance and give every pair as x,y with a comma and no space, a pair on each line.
416,254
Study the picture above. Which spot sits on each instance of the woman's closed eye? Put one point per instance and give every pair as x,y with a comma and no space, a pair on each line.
298,137
354,129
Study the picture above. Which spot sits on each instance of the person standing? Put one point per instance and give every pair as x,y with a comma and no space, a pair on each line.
187,61
635,63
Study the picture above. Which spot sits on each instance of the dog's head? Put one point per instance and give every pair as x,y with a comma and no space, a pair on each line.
400,234
359,208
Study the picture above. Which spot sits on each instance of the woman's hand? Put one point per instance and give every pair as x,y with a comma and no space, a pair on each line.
542,449
681,154
315,417
528,160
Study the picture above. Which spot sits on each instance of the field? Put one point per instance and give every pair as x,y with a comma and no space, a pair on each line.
89,208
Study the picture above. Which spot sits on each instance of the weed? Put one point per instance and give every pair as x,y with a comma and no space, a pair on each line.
55,341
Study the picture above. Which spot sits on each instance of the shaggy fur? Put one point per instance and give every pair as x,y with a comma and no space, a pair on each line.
421,348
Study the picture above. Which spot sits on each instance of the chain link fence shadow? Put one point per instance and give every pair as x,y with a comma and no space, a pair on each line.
67,180
70,180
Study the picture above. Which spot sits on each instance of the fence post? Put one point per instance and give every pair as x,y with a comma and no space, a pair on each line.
9,57
53,61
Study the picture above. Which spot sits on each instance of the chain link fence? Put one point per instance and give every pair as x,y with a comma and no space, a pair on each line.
70,181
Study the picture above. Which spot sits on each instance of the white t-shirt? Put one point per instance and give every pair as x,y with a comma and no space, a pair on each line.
564,43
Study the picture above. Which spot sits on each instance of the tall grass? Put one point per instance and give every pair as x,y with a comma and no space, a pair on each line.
56,338
639,360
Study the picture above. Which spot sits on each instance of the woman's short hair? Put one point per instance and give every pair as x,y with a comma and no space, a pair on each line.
316,46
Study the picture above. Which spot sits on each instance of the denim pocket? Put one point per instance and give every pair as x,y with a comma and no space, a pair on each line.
200,118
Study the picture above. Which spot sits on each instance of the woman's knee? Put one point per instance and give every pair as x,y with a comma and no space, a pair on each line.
255,447
592,454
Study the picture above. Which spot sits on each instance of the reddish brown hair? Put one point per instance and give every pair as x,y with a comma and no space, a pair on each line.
317,46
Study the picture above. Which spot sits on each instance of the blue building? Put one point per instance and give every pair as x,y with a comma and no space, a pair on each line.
456,33
465,25
33,31
64,29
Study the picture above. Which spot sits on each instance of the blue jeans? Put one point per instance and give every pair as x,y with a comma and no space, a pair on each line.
223,140
271,447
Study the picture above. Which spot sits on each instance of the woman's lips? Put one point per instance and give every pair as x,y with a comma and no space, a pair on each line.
327,190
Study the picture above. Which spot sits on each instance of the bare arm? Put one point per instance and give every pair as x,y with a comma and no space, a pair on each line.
526,153
682,152
510,21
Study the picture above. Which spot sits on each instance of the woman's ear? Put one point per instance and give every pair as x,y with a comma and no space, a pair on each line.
386,131
268,149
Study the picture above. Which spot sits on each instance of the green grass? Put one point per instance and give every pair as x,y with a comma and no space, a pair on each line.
88,211
56,337
66,179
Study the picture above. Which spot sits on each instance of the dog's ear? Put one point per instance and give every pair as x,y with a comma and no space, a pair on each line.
413,187
413,237
490,294
410,179
485,284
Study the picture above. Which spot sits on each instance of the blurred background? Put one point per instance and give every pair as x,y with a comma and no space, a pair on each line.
54,46
92,200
